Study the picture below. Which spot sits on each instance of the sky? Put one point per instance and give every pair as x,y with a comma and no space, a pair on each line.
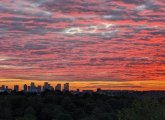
111,44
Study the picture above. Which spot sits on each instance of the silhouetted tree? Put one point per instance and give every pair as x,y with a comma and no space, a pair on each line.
148,109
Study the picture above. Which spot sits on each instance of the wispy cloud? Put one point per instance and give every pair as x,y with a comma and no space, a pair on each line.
14,67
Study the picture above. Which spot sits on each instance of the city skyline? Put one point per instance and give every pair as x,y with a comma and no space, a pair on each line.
74,85
32,87
115,44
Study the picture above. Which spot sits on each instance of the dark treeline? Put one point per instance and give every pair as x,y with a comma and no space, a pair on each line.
66,106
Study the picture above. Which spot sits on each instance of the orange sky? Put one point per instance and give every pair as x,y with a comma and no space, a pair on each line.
93,85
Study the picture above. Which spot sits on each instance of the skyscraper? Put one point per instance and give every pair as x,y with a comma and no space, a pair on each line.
16,88
66,87
39,89
46,86
25,88
32,85
29,89
58,87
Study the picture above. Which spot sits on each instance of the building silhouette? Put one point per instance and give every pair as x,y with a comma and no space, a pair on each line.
39,89
2,88
16,88
88,91
32,87
66,87
46,86
25,88
58,87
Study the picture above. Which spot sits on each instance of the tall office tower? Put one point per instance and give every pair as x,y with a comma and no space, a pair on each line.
66,87
46,86
58,87
29,89
16,88
32,85
25,88
39,89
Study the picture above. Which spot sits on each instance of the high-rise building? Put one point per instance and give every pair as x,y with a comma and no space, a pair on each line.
25,88
66,87
29,89
58,87
16,88
46,86
32,85
39,89
32,88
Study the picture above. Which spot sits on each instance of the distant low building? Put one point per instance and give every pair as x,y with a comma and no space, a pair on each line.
1,90
75,92
87,91
4,88
9,90
113,92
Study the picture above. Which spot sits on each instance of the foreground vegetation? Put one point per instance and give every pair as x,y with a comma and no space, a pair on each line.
60,106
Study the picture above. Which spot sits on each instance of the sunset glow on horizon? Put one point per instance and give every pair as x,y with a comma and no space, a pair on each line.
108,44
92,85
